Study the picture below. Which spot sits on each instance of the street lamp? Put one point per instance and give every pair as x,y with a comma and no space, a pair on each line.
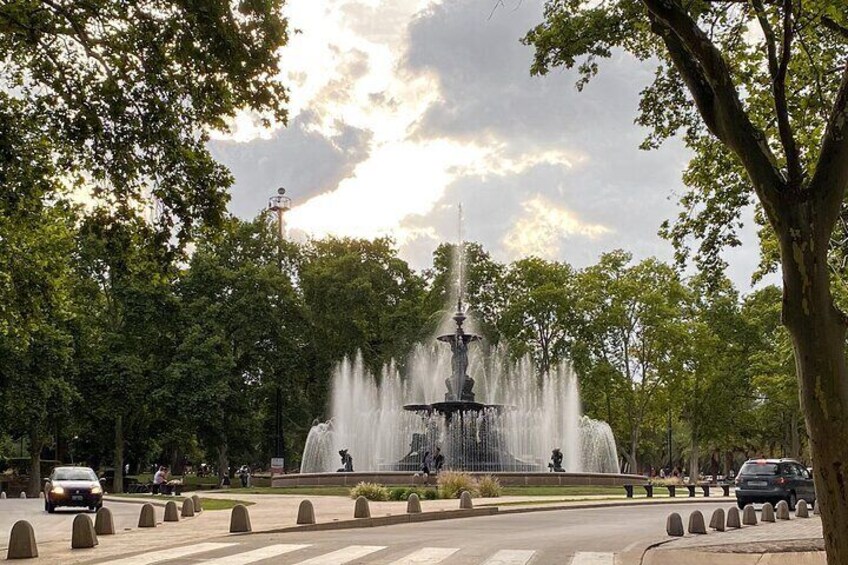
279,204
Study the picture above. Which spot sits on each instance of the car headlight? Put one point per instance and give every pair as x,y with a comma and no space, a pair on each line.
96,490
57,490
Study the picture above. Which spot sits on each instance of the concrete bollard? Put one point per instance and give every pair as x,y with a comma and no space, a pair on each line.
198,504
817,508
2,496
41,494
696,523
104,525
22,541
465,502
782,510
23,494
82,533
305,512
413,504
801,509
749,516
733,518
674,525
239,519
717,520
417,479
361,509
767,515
188,508
171,514
147,518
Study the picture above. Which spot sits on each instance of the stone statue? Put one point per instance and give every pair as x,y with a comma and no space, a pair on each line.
556,461
347,462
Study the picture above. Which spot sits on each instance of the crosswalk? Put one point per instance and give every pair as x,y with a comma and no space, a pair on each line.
307,554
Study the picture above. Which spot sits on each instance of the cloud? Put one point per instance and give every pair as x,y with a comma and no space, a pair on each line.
544,226
401,109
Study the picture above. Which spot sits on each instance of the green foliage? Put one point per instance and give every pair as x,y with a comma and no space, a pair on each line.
402,493
451,484
371,491
489,486
128,91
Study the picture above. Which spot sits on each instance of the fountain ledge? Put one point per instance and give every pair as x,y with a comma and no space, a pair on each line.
389,478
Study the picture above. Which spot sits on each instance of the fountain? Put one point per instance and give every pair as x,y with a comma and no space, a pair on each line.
493,416
511,423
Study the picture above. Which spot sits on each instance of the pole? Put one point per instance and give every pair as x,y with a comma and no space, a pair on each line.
670,468
279,443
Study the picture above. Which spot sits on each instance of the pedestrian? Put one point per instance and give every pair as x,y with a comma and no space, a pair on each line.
438,460
160,480
426,465
244,476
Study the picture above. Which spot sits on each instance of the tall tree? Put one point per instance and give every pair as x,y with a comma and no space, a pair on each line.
539,315
631,323
127,91
770,120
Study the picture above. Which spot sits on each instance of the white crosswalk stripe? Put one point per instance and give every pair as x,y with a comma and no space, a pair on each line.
168,554
592,558
511,557
256,555
427,556
345,555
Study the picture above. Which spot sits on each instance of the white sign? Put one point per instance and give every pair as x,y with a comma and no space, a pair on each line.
278,465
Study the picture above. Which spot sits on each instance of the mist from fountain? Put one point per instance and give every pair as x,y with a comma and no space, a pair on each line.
538,415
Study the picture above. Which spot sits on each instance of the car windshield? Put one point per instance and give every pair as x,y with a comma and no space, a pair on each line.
759,469
81,474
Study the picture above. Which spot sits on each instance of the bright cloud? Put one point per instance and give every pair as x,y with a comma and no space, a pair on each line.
544,226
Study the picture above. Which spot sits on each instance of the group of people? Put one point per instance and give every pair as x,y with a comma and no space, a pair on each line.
431,464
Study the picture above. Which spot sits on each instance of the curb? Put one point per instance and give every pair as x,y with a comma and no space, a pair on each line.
591,505
154,502
383,521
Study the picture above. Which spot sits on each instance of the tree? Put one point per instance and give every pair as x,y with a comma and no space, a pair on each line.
538,316
244,333
631,325
128,321
36,244
377,291
775,108
126,92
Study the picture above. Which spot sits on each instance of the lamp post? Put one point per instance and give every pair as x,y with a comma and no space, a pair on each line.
670,468
279,204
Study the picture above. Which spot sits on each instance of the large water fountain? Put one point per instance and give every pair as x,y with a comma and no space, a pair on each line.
489,416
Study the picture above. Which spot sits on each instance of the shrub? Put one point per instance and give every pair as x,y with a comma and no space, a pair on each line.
452,483
489,486
371,491
431,494
398,493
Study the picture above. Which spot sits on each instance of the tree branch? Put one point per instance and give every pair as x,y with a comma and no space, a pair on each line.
831,177
833,26
732,124
778,69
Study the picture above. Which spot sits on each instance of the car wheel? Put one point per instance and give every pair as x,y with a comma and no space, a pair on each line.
741,503
793,500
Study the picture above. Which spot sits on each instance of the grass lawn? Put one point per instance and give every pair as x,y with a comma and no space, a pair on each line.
208,503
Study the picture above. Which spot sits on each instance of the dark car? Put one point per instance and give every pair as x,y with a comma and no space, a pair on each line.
72,486
773,480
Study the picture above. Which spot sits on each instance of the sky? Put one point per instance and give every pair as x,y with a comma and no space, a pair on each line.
400,110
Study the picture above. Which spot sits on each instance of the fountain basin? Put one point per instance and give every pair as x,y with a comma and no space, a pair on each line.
389,478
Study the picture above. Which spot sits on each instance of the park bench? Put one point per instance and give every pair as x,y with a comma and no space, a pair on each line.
705,487
649,490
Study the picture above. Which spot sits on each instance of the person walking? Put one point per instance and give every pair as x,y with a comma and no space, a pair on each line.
426,465
438,461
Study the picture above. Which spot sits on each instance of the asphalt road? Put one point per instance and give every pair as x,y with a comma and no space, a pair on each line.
576,537
53,527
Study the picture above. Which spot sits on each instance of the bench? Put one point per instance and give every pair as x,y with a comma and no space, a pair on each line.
649,490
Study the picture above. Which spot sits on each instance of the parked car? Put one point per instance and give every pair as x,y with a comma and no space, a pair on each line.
72,486
773,480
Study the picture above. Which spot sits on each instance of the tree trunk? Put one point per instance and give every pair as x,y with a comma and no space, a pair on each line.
223,462
35,446
118,485
794,437
694,468
818,334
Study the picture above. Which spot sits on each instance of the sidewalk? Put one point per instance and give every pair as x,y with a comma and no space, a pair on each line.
786,542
